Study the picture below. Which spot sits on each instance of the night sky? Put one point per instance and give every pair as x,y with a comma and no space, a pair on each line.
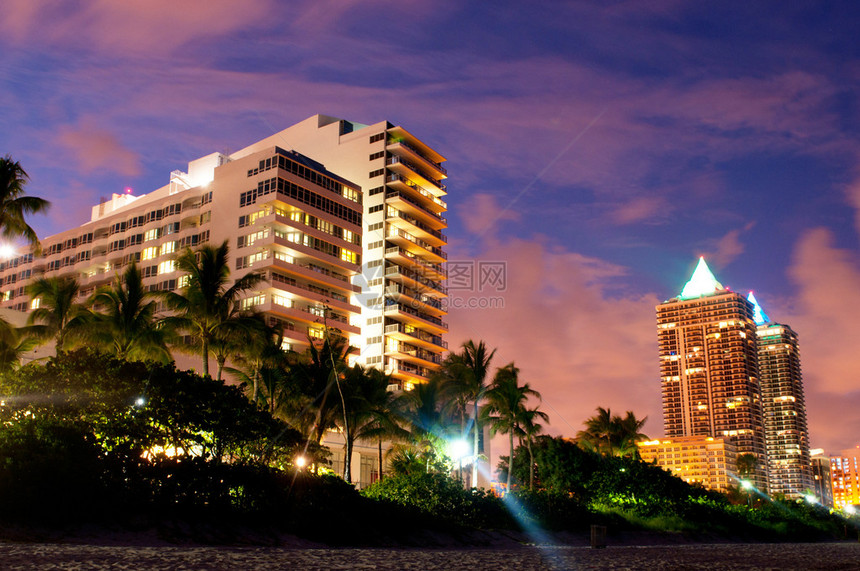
595,148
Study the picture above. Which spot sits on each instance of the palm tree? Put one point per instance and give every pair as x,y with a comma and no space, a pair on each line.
628,433
14,343
422,410
124,321
56,314
14,204
475,361
530,427
264,366
368,411
612,435
317,376
506,403
207,308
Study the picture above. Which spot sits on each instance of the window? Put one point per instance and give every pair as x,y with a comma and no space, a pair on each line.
376,226
153,234
377,190
375,173
377,155
377,137
168,248
166,267
149,253
33,304
376,208
350,194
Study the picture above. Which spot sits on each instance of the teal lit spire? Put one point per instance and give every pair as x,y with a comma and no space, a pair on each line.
701,283
759,316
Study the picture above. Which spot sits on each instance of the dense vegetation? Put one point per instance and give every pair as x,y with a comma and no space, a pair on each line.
108,431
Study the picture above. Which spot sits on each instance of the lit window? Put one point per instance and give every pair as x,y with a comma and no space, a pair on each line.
35,303
166,267
149,253
151,234
168,248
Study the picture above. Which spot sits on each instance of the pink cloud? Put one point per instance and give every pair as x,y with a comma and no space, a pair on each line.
151,27
482,215
574,341
641,209
95,149
729,247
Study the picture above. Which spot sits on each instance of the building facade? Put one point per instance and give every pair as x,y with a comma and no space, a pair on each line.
709,368
822,485
786,432
402,277
346,220
702,460
845,478
281,213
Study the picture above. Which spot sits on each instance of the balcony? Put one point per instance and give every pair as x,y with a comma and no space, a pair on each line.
415,317
408,372
415,174
416,155
416,281
401,183
311,272
415,336
406,258
414,299
416,245
404,352
415,227
416,208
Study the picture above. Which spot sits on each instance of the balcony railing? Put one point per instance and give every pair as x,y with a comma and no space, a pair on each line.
400,233
394,177
424,159
417,334
395,160
416,277
422,263
406,309
417,223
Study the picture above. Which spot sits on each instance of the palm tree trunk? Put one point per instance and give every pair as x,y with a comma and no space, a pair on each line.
475,459
510,461
379,474
205,353
347,457
531,465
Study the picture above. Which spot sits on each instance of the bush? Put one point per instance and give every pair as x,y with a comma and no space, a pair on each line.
441,496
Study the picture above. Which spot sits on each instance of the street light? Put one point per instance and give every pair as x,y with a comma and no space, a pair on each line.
747,485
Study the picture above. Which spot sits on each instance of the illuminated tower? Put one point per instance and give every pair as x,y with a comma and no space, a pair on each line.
709,367
786,434
402,279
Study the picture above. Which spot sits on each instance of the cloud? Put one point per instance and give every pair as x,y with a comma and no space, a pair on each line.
729,247
151,27
574,338
96,149
482,215
640,209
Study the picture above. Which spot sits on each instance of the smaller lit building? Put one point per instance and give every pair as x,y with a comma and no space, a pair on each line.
710,462
845,478
822,486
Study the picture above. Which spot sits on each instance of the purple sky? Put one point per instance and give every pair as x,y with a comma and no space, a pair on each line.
596,150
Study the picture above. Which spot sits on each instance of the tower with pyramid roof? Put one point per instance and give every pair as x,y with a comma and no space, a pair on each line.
709,368
786,433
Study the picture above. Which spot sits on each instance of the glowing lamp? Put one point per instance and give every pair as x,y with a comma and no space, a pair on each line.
746,484
301,461
6,251
458,449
